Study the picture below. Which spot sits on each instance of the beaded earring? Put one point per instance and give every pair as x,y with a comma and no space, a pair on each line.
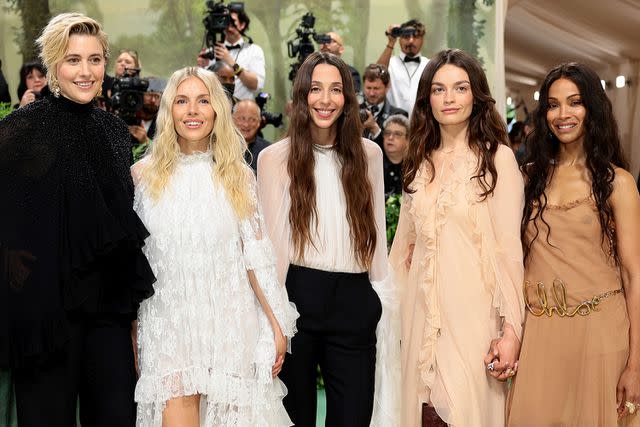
54,86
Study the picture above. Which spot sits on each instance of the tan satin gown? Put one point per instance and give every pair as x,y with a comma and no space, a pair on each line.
569,366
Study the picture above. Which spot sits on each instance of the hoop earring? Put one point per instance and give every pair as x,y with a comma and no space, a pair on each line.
54,86
99,94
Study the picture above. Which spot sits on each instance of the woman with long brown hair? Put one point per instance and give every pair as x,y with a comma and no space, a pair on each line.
580,363
322,192
457,252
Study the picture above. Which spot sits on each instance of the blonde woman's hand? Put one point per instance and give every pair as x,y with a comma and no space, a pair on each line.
281,349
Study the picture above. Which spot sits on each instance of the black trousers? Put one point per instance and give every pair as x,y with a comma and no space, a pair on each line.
96,365
339,313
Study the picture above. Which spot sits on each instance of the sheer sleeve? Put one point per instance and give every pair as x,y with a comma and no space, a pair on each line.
259,258
386,409
273,197
404,242
505,211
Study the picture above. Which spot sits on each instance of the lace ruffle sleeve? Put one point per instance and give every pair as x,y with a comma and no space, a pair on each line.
259,257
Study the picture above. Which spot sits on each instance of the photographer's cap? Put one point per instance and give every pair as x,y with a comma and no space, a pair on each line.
156,84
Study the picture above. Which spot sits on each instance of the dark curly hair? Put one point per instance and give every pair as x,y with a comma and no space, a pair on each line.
601,146
487,130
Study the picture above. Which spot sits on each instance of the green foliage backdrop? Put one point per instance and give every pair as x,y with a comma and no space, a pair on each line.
169,33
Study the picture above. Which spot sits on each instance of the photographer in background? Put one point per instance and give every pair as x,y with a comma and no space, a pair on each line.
33,78
225,75
376,109
127,59
336,46
245,58
247,117
406,68
146,130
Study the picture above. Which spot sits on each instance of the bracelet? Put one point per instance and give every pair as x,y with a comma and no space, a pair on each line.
238,71
390,47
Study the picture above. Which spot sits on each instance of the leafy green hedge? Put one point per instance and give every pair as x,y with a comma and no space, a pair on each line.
5,109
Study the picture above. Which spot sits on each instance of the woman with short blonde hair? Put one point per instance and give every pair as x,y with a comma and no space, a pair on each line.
71,242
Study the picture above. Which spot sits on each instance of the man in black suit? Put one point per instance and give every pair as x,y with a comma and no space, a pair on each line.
378,109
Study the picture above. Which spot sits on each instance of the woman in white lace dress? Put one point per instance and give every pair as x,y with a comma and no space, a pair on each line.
212,338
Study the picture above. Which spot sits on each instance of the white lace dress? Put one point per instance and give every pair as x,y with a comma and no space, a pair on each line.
204,331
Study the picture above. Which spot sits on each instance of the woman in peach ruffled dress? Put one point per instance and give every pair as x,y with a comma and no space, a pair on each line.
457,251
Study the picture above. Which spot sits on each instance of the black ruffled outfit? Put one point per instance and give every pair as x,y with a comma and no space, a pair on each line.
70,242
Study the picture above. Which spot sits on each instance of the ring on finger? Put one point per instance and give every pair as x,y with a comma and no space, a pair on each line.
631,407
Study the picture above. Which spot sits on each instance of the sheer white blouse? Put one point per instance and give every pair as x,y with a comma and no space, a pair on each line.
334,250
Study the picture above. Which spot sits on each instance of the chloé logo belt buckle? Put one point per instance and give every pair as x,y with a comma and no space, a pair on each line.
559,295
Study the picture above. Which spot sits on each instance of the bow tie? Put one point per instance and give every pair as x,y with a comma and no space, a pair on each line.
373,109
234,46
412,59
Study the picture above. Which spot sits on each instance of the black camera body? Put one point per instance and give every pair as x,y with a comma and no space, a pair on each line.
127,95
267,118
401,32
322,38
302,46
216,20
363,113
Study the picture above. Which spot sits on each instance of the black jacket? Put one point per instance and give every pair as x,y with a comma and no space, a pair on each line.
387,111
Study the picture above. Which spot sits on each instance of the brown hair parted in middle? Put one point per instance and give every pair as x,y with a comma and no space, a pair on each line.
353,159
487,129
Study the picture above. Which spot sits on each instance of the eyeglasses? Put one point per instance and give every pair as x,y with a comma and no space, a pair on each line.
394,133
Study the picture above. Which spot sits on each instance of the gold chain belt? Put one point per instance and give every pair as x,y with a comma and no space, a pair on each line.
559,293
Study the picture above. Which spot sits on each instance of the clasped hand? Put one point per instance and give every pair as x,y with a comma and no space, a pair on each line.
502,358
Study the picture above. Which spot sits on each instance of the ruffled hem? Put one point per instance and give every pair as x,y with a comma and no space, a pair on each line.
230,400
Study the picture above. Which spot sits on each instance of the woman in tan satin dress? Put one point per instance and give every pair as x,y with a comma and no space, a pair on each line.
457,252
580,359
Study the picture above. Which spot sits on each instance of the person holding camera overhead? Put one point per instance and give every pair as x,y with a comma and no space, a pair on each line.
246,59
406,68
333,43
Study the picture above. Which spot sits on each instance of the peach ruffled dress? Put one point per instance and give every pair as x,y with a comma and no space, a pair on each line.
461,282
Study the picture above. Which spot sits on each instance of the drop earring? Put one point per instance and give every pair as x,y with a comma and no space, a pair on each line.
54,86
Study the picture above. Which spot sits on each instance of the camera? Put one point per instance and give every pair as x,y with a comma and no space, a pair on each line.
401,32
322,38
363,113
127,95
267,118
218,19
302,46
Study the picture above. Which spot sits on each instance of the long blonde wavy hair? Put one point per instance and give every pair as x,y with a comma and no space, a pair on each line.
227,144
